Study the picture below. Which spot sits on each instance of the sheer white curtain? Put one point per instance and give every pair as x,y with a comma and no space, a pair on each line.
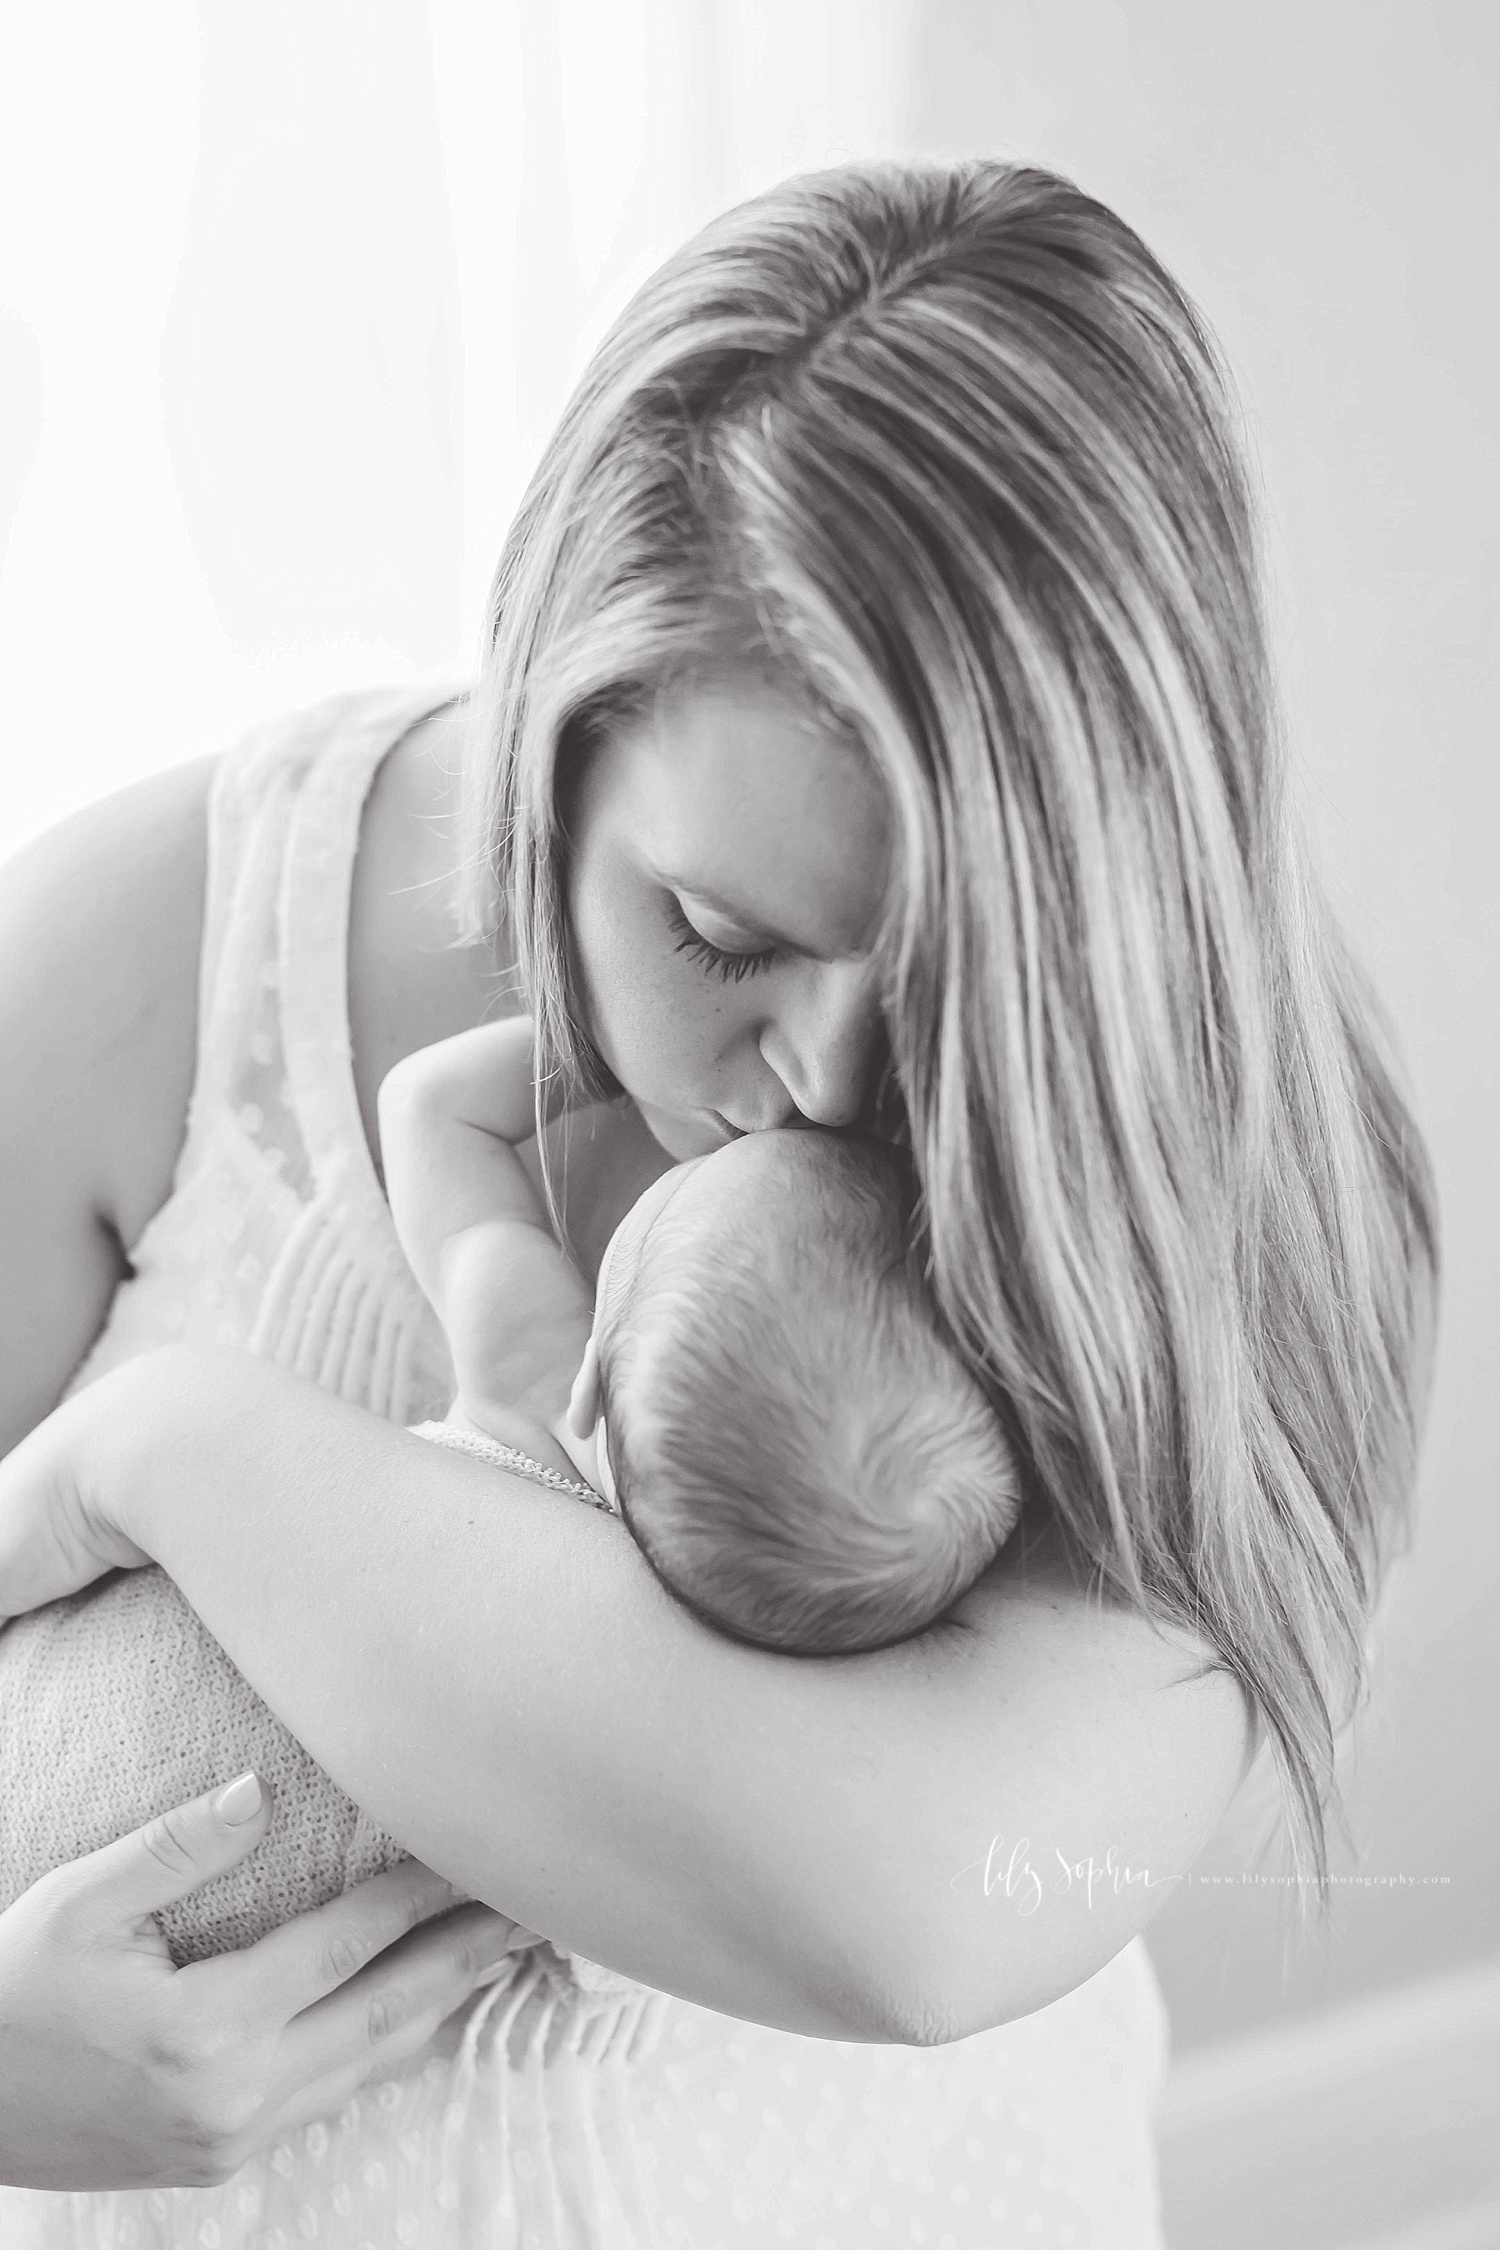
289,298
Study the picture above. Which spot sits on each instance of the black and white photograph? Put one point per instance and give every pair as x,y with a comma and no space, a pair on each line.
749,982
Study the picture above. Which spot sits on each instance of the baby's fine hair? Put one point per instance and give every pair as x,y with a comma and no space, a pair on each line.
801,1458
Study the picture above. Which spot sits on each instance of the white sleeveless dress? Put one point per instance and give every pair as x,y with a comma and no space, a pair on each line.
557,2117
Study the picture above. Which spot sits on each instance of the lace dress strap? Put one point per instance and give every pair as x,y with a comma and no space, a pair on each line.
283,828
277,1235
318,881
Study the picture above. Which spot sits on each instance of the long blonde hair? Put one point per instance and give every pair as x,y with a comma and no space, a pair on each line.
965,454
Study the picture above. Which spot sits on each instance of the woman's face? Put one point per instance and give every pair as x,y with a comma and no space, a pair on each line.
728,869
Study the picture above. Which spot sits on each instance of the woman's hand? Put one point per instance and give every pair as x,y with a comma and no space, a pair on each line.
117,2070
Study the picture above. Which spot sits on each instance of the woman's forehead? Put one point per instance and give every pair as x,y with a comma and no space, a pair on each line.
762,810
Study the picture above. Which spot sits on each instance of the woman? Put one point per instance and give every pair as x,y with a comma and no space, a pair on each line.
877,700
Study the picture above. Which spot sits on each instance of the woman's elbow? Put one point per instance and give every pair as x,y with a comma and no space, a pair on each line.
919,2023
931,2011
915,1999
936,2016
880,1979
935,1999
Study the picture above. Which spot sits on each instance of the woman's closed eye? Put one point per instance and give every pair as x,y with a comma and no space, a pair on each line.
716,960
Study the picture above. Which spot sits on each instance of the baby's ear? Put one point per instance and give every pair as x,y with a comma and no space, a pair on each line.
584,1404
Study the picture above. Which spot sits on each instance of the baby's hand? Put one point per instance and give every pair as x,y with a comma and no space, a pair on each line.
517,1315
55,1532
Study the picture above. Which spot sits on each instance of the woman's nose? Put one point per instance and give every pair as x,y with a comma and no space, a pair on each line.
824,1043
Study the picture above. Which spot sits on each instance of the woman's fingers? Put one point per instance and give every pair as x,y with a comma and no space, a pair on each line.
395,2004
118,2070
170,1856
314,1954
324,2099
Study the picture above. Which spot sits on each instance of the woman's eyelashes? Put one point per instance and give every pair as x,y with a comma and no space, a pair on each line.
714,959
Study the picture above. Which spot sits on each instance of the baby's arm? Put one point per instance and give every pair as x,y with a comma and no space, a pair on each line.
516,1312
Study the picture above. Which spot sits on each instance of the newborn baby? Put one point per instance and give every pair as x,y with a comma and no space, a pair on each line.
761,1393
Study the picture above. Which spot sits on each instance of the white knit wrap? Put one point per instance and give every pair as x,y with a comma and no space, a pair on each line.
118,1704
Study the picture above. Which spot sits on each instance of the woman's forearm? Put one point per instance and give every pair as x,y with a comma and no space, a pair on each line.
494,1674
826,1844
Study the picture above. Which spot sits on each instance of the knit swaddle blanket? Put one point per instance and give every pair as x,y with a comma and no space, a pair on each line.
117,1703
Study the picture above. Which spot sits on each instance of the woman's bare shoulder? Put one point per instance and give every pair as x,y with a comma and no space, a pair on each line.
101,923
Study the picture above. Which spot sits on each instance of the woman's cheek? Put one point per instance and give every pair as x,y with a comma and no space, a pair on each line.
662,1026
646,1005
667,1038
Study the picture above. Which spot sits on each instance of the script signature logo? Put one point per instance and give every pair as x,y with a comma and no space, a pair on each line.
1013,1873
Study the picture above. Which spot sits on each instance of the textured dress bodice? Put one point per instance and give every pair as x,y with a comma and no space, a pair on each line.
554,2115
276,1235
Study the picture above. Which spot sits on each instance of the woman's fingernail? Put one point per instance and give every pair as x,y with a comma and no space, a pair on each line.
241,1801
495,1969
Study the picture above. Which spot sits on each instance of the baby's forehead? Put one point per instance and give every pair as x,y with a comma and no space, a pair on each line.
770,1202
779,1185
813,1238
793,1162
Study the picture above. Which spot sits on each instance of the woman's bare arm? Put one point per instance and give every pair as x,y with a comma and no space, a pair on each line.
115,2068
100,926
809,1842
905,1846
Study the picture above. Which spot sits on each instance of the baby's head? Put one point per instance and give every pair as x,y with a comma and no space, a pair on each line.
800,1456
